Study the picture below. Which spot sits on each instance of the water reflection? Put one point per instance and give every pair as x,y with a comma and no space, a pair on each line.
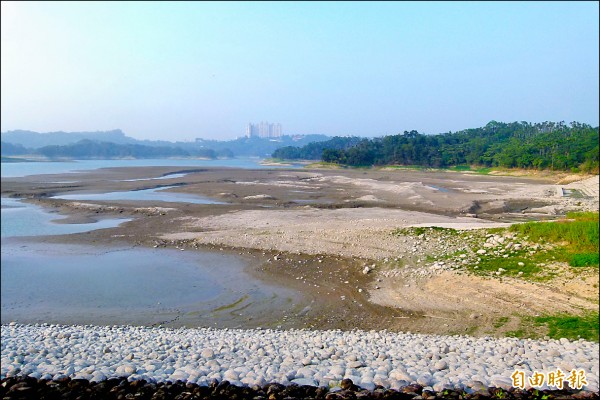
168,176
67,283
154,194
16,169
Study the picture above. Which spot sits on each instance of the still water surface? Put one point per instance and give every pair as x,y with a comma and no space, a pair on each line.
25,219
51,167
81,284
69,283
66,283
155,194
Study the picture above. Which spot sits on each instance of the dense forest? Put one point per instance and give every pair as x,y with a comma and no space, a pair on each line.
314,151
546,145
89,149
9,149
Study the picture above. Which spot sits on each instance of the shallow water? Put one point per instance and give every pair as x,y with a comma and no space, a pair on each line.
168,176
441,189
154,194
25,219
65,283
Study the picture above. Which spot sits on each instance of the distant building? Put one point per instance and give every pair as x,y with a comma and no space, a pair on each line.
264,130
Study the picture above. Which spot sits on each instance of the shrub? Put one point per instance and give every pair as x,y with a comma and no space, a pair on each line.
584,260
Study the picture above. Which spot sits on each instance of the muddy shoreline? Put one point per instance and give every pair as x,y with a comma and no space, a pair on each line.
314,231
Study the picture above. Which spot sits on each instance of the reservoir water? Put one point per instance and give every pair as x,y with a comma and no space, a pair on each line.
81,284
16,169
65,283
78,284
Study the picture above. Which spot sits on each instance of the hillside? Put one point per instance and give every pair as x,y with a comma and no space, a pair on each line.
314,151
89,149
31,139
546,145
115,144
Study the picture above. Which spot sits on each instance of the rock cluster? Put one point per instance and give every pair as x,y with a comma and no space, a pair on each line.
371,359
455,250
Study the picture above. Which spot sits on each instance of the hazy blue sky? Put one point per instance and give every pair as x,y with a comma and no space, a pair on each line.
177,71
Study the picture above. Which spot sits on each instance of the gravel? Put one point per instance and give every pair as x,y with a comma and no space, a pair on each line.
254,358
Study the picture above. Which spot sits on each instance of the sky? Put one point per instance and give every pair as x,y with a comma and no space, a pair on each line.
183,70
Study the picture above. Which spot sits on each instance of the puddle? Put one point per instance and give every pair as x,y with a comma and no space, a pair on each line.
168,176
441,189
25,219
572,193
154,194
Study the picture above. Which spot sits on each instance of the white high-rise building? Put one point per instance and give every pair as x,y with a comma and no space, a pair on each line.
276,131
251,131
264,130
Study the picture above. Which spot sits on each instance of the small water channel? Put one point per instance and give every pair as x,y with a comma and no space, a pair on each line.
168,176
154,194
438,188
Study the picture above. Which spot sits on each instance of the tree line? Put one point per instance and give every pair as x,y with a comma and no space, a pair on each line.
116,144
314,151
546,145
90,149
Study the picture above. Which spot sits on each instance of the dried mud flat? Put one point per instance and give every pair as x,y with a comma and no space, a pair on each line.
329,235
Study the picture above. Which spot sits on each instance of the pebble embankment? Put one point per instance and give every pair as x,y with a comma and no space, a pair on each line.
20,388
199,361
